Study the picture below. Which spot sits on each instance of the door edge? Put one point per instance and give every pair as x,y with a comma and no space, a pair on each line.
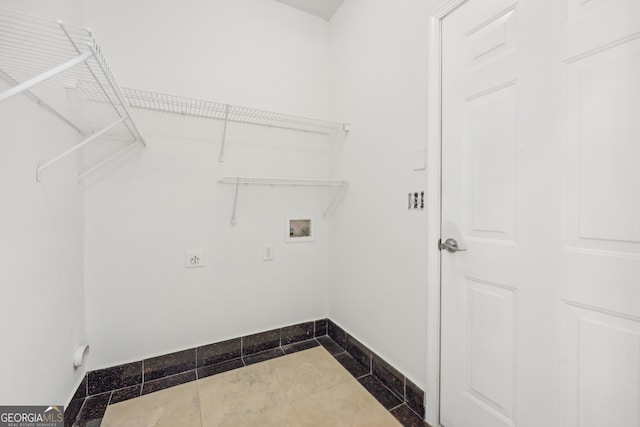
433,200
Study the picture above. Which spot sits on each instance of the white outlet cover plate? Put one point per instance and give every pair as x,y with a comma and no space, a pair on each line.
194,259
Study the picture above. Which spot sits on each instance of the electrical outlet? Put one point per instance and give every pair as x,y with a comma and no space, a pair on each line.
416,201
194,259
267,252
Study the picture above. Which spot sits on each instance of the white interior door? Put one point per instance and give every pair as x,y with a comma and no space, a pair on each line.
541,187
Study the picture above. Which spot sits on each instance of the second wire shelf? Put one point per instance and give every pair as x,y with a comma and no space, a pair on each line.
292,182
283,181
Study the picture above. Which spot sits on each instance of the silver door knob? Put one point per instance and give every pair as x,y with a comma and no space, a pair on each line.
451,245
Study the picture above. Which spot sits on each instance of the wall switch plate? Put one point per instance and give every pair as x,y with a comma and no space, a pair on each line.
194,259
267,252
419,159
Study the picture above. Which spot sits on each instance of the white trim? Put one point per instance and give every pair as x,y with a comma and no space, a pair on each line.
434,118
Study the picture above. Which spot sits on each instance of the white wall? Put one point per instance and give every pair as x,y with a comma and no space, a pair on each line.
145,211
378,247
368,66
41,224
252,53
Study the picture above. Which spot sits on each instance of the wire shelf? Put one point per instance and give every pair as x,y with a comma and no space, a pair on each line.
45,60
283,181
291,182
231,113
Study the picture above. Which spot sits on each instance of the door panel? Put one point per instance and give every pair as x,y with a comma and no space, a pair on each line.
601,254
603,368
540,315
492,37
490,346
603,106
594,24
480,101
492,167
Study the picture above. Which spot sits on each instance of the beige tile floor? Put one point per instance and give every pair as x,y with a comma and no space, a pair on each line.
309,388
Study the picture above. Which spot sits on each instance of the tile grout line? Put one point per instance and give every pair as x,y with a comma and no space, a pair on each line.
84,402
196,363
199,398
405,389
396,407
362,376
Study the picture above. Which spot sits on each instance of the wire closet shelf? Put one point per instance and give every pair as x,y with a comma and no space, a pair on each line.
48,61
229,113
294,182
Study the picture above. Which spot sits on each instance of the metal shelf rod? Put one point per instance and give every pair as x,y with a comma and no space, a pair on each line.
41,103
44,76
56,159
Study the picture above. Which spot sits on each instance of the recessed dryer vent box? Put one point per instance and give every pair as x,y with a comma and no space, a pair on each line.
299,229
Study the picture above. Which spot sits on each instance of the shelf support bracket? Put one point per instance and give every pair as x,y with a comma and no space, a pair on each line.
235,204
120,97
75,148
334,201
44,76
224,133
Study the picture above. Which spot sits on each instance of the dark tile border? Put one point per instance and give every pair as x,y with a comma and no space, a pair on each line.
112,385
300,346
378,390
168,365
121,376
263,356
92,410
72,410
390,376
219,368
119,383
407,417
330,345
171,381
263,341
409,394
352,365
218,352
297,333
125,394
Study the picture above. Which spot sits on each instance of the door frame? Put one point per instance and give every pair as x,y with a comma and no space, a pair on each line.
434,206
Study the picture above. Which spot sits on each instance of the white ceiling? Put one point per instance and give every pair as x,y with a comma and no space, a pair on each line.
321,8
